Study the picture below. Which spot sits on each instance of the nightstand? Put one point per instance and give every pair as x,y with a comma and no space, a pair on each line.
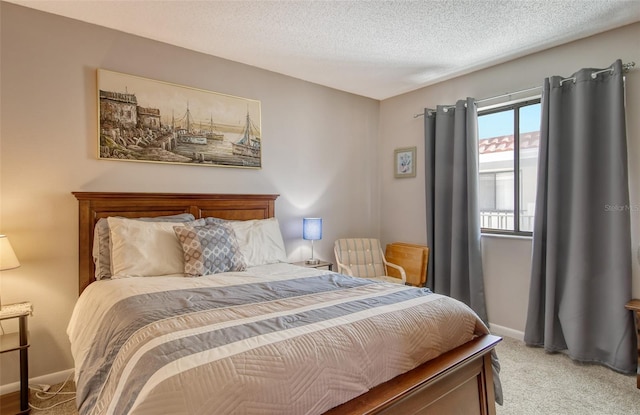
320,264
18,341
634,305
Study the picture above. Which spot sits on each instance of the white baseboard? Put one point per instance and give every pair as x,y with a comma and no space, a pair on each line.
50,379
506,331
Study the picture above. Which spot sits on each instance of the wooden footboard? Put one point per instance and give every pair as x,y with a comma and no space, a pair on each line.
458,382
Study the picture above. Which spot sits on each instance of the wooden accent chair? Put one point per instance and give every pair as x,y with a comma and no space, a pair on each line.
363,257
413,258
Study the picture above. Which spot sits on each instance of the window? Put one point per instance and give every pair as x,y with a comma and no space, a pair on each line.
508,160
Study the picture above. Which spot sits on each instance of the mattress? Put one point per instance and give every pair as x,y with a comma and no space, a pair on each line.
274,339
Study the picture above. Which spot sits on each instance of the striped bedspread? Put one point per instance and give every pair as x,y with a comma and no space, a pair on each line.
276,339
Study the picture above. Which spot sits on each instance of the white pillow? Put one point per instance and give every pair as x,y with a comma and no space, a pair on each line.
260,241
102,241
143,249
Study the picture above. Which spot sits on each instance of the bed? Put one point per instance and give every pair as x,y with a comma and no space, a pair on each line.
279,338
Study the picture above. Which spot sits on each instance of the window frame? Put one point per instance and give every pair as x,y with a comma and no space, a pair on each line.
517,173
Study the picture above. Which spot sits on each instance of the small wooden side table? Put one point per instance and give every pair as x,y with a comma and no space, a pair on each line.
18,341
634,305
320,264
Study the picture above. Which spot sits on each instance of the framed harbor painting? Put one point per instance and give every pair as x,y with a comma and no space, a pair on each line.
146,120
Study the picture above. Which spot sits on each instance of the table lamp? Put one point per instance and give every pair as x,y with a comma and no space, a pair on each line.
8,259
312,231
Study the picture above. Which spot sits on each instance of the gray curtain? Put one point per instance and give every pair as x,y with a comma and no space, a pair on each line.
581,263
453,219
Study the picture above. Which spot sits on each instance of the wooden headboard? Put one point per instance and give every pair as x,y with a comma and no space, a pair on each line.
96,205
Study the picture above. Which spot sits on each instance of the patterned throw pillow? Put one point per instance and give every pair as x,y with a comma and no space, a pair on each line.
209,249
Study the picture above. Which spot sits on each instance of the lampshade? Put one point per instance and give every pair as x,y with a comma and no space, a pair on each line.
312,228
8,259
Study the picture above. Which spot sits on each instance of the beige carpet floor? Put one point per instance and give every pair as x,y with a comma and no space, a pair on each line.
539,383
54,405
534,383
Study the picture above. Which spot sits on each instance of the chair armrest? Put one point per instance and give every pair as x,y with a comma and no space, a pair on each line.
403,274
343,269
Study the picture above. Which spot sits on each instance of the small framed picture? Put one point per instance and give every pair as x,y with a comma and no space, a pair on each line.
405,162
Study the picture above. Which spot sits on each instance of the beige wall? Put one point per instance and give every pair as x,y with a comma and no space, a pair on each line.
320,152
506,260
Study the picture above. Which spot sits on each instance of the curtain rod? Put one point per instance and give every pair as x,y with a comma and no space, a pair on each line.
486,99
626,67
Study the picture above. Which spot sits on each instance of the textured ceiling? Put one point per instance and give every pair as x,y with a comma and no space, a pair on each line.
377,49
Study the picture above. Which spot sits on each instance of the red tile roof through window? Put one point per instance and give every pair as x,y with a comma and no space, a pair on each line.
506,142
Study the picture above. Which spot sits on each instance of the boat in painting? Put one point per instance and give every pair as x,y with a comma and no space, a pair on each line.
187,135
191,138
249,143
212,134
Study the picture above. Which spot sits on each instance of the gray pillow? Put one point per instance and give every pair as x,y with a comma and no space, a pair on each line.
102,241
215,221
209,249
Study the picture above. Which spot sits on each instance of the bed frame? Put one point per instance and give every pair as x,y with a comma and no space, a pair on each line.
458,382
